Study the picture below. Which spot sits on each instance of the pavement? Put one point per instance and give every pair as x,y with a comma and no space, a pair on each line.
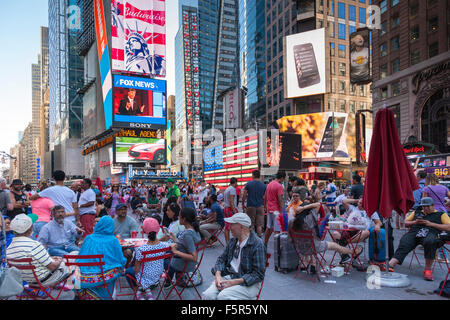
352,286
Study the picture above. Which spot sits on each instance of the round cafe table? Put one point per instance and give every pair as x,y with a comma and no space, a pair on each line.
132,242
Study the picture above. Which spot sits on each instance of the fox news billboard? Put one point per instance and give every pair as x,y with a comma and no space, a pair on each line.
138,36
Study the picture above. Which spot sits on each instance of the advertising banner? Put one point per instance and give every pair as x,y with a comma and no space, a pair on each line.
103,58
304,68
138,150
289,155
139,103
138,33
231,105
324,135
360,56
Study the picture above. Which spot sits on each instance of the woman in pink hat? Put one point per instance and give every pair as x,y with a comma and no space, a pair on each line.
148,278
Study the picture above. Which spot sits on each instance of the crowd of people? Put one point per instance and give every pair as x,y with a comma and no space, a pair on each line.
50,221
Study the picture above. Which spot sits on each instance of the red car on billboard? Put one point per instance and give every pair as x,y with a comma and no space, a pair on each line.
154,152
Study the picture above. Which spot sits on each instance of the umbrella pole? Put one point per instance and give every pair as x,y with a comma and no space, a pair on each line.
386,244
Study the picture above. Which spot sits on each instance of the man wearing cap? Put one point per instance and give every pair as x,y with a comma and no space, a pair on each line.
19,199
240,269
124,225
424,225
48,270
57,235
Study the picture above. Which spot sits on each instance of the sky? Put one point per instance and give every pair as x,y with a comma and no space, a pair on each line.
20,22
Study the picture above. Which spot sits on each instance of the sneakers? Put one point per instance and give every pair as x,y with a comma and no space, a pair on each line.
428,275
145,295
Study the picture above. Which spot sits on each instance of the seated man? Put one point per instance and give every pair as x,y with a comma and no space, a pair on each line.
240,269
49,271
214,220
356,218
124,225
57,235
424,228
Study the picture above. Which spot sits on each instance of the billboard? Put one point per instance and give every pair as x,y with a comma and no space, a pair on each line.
237,157
324,135
103,59
360,56
139,103
289,155
231,106
138,150
138,35
304,67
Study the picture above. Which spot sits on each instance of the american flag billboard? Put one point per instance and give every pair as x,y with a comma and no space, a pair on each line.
138,35
237,158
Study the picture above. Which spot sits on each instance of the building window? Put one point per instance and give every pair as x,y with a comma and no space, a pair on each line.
342,68
275,115
341,10
395,88
431,3
383,28
396,65
331,28
383,71
341,51
413,10
362,15
396,111
331,104
332,67
433,24
414,33
342,87
275,99
395,43
333,86
362,105
384,92
341,31
332,47
383,6
394,3
281,112
351,13
353,89
362,91
342,105
395,21
415,57
352,106
433,49
383,49
351,29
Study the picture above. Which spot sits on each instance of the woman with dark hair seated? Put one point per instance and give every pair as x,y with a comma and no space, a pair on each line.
175,227
306,220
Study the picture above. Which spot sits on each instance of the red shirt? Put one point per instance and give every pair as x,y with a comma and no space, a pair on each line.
274,189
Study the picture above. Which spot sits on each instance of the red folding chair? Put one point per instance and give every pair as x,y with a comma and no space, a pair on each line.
200,247
26,264
445,251
319,258
148,256
414,255
262,283
216,233
72,260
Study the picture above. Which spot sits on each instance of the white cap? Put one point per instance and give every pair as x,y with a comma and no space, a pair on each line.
241,218
21,223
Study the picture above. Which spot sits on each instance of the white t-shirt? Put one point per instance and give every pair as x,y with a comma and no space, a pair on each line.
202,193
62,196
230,191
340,198
87,196
369,220
237,261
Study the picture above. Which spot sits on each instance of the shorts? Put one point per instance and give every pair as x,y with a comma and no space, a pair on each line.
329,200
272,222
228,213
256,214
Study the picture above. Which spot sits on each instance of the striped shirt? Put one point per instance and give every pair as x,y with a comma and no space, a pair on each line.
23,247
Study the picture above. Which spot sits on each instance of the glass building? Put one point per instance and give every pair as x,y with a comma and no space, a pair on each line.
65,76
252,29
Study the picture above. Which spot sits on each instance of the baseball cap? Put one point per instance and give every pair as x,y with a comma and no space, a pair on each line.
16,181
427,201
34,217
150,225
241,218
121,205
220,197
21,223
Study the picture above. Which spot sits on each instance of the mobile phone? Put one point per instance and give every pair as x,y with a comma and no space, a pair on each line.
332,134
306,65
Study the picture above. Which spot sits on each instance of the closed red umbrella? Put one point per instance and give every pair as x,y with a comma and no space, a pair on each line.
390,179
98,183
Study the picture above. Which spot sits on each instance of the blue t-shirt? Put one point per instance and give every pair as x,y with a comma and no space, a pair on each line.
255,193
219,213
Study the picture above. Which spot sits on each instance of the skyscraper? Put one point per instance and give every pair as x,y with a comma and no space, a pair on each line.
65,78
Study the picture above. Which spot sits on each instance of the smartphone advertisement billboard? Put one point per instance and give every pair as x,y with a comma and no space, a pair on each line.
139,103
324,135
289,155
360,56
304,67
137,150
138,35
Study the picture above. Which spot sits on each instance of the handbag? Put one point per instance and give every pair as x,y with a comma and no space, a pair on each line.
197,279
11,283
